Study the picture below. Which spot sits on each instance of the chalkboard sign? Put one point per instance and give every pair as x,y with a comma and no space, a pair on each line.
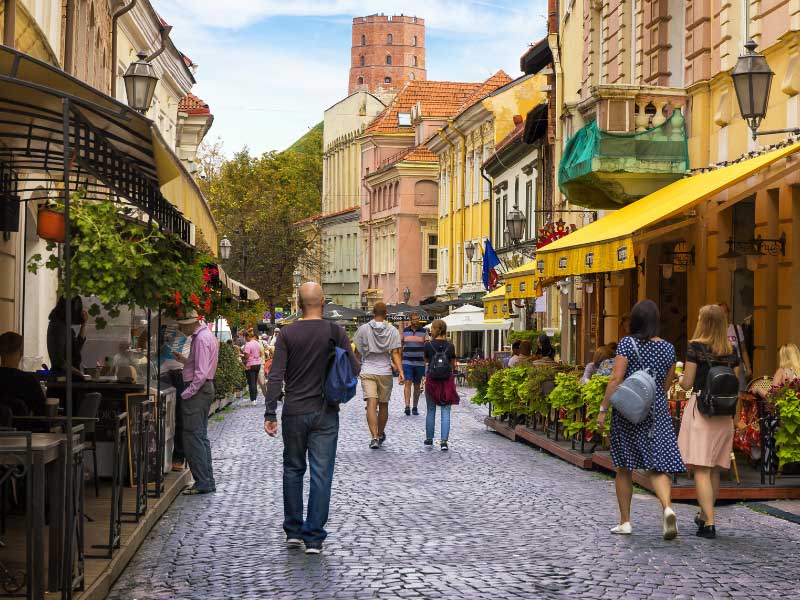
140,438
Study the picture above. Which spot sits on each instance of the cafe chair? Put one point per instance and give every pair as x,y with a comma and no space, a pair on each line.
88,409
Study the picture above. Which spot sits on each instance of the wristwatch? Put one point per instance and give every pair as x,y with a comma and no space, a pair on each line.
603,410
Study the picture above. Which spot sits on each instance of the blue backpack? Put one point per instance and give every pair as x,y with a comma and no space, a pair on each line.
340,381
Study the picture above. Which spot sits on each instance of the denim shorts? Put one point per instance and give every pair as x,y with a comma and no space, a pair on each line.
414,373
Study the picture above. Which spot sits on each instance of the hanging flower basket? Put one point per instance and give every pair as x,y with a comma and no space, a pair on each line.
51,225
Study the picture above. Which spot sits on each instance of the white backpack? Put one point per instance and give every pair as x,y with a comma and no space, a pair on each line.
634,397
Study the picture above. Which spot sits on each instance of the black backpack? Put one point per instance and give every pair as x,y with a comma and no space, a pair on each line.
720,395
439,367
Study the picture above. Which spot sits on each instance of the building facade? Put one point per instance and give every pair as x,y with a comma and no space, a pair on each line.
399,230
387,52
462,146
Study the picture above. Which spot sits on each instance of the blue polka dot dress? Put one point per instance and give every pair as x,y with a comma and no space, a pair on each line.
647,446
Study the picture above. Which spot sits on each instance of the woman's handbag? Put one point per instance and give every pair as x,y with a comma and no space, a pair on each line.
634,398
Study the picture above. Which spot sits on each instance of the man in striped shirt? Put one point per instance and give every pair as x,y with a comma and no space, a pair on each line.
413,339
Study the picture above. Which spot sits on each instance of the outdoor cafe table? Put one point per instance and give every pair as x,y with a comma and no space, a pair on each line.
48,465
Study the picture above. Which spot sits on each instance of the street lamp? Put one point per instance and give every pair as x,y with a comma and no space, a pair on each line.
225,248
298,278
406,295
140,84
515,221
469,250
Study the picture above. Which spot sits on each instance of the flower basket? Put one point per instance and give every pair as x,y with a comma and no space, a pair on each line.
51,225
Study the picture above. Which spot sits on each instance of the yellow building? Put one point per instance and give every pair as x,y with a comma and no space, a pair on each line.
463,145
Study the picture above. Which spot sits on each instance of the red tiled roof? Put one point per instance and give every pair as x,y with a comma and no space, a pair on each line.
515,134
307,220
437,98
193,105
492,84
420,154
187,61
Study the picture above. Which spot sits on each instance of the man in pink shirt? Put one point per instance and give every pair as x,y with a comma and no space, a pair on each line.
199,369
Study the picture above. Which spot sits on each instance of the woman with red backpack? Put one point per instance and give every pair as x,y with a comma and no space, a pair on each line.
440,383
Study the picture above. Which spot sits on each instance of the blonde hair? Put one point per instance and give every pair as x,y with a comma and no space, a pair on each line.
712,330
438,328
789,357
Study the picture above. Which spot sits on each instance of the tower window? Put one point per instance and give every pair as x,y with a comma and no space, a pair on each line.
387,80
411,76
413,61
388,59
413,41
389,39
362,60
364,40
360,81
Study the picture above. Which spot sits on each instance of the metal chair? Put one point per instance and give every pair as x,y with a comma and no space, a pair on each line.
89,407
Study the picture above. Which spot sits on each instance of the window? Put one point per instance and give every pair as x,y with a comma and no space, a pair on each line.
363,60
433,251
360,81
531,225
387,80
388,59
390,39
414,41
363,40
413,61
404,119
411,76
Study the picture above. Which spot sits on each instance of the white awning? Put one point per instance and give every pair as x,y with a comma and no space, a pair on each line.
470,318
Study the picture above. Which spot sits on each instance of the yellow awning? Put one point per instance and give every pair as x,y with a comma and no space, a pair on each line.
521,282
495,303
607,244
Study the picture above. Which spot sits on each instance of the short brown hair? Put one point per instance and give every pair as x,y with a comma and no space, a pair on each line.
438,328
10,342
379,310
603,353
525,348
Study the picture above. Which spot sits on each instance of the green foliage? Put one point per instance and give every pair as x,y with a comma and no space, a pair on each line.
230,375
538,402
567,392
532,337
122,260
787,436
592,394
478,374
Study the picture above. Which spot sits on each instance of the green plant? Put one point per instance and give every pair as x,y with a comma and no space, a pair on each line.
494,390
538,401
787,436
478,374
230,375
592,394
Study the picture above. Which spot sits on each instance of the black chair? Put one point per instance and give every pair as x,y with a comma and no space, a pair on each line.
88,409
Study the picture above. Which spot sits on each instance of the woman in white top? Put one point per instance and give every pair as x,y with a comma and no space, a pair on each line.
788,367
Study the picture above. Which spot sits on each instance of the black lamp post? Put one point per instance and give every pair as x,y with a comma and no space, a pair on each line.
225,248
406,294
298,278
516,221
469,250
140,84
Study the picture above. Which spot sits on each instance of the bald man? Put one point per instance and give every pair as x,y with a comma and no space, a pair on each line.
310,425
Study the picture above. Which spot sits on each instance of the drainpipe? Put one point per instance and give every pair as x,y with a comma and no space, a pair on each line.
165,31
371,190
452,167
69,36
463,194
114,42
9,22
490,181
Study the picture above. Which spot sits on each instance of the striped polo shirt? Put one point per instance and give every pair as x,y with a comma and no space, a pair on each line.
414,346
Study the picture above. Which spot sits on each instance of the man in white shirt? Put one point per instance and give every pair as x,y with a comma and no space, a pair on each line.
378,346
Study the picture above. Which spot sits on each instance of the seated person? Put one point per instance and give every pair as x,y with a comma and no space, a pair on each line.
19,391
523,357
545,349
600,361
514,352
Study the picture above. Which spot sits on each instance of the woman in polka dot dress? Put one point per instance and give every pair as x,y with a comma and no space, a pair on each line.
652,444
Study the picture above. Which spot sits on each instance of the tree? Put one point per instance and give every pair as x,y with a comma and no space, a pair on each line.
256,201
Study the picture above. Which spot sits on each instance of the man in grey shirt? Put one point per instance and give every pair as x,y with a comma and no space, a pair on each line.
378,345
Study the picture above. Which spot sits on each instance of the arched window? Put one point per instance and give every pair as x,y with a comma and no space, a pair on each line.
387,80
414,41
360,81
388,59
364,40
362,60
389,39
413,61
411,76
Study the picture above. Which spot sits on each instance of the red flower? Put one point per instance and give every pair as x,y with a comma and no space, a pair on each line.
207,290
195,300
177,298
207,306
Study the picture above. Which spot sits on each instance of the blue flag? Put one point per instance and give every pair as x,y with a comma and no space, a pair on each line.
490,261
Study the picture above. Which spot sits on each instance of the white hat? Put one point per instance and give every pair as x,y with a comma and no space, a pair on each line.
190,318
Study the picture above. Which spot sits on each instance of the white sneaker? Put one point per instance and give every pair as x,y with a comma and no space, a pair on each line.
670,524
624,529
314,550
294,543
254,402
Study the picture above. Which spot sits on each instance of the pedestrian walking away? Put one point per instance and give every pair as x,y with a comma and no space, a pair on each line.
706,441
413,350
252,354
199,369
650,445
378,345
310,424
440,382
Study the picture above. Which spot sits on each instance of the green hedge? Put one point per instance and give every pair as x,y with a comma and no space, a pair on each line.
230,375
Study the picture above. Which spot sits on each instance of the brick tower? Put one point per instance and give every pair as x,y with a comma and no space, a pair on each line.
387,52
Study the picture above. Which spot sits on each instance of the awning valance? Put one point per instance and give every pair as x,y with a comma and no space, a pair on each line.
608,243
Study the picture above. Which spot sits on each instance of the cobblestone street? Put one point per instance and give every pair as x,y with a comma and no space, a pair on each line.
489,519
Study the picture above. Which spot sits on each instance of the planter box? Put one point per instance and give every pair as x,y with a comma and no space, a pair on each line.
503,429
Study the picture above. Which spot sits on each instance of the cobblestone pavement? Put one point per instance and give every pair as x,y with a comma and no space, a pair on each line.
490,519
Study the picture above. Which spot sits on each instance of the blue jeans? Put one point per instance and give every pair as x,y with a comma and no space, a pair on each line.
315,434
430,420
195,437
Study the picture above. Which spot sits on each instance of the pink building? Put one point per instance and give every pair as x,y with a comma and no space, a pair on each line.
399,196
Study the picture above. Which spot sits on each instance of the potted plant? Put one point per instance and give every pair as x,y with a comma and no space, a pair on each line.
51,224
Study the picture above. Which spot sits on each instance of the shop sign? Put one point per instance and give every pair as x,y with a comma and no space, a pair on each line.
540,265
521,286
562,263
589,261
622,254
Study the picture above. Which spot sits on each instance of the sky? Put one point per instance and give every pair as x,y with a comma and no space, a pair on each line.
269,68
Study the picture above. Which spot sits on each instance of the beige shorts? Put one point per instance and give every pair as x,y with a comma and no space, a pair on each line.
377,386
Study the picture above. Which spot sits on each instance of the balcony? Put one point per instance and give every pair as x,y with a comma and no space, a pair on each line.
633,144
